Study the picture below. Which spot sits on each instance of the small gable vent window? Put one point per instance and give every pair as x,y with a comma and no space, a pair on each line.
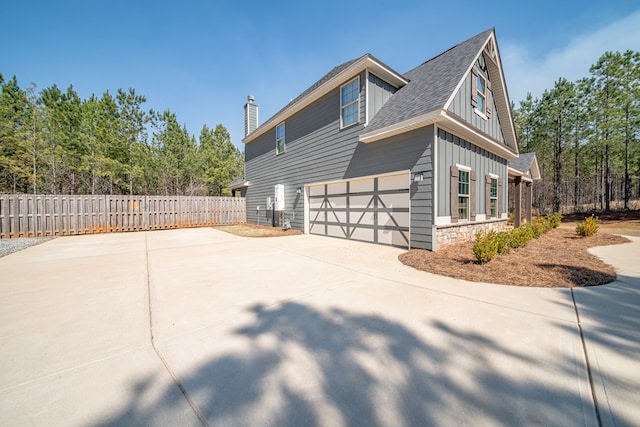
280,145
350,103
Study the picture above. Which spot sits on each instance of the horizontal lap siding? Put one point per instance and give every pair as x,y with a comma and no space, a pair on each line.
317,150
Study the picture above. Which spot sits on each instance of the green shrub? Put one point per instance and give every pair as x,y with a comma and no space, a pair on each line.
588,227
503,242
554,220
522,235
485,247
539,226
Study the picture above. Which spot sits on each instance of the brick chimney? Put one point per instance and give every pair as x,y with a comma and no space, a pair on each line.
250,116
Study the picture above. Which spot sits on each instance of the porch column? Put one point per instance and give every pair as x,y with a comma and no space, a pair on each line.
517,202
527,199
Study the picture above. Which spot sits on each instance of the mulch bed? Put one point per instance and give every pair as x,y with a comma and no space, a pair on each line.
253,230
559,258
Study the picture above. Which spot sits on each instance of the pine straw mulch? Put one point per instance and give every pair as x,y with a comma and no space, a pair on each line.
253,230
559,258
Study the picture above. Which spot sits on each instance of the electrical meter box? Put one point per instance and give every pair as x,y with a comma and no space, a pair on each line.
278,203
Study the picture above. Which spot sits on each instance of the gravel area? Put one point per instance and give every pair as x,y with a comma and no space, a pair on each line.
9,246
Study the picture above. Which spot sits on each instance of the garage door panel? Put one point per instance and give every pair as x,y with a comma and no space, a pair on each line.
337,216
315,203
396,200
361,217
394,219
393,237
337,202
361,185
360,202
364,234
393,182
373,209
337,188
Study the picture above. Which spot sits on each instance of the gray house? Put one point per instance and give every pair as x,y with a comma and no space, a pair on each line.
418,159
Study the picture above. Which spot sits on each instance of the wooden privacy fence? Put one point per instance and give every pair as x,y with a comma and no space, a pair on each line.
63,215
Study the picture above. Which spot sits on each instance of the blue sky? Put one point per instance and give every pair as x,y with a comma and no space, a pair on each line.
200,59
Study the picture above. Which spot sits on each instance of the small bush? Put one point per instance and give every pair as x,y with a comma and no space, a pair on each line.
554,220
522,235
503,242
588,227
539,226
485,247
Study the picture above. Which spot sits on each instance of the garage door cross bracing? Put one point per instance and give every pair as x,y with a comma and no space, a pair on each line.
373,209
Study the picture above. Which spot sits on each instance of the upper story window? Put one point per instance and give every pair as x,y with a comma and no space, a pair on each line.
481,89
463,194
280,145
350,103
481,95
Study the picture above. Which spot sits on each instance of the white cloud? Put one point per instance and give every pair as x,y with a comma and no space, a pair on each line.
526,72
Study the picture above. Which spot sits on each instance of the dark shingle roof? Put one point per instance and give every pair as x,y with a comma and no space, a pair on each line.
522,163
431,84
334,72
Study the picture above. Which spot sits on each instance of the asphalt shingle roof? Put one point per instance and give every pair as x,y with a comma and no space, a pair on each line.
431,84
334,72
522,163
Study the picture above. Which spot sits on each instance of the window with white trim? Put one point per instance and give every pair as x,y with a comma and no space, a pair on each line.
280,144
350,103
463,194
493,195
481,95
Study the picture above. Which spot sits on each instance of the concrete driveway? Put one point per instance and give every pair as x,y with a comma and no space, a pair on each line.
198,327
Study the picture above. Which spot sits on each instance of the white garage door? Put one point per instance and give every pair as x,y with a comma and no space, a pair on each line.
373,209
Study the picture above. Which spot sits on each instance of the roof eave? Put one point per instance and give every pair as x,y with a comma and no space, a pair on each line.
464,130
401,127
447,121
366,62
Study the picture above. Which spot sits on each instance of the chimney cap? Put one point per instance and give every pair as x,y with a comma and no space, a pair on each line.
250,98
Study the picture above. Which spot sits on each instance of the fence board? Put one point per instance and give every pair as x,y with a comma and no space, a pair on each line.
23,215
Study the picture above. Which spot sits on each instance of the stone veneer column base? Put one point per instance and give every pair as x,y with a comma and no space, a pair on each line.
466,231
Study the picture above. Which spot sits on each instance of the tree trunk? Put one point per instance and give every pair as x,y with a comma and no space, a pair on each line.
607,179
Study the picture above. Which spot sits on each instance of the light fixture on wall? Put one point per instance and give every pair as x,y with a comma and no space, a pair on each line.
299,190
418,177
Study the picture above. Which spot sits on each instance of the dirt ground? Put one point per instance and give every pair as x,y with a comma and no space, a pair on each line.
559,258
252,230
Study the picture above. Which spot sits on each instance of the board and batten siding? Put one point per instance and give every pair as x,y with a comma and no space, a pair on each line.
454,150
378,92
461,107
317,150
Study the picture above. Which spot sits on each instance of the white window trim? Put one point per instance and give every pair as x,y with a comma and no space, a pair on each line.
491,198
357,100
284,139
480,113
467,169
481,95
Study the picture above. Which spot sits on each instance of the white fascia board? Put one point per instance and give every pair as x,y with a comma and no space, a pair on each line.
535,169
386,74
464,77
365,63
401,127
462,129
514,172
